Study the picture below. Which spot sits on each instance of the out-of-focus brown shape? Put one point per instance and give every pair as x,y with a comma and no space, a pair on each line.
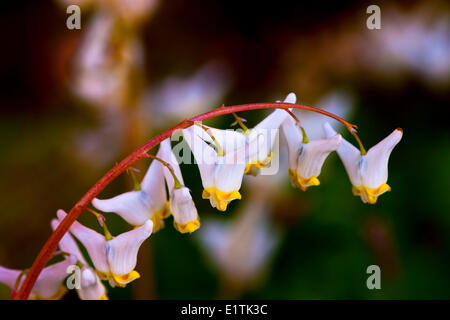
379,238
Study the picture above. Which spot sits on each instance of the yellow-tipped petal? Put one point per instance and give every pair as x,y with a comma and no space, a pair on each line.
103,275
252,167
221,195
158,218
220,198
123,279
164,212
302,183
248,167
158,223
370,195
103,297
189,227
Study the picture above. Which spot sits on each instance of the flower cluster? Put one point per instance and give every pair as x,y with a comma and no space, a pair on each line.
223,158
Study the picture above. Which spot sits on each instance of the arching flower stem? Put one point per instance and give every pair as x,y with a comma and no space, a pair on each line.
50,246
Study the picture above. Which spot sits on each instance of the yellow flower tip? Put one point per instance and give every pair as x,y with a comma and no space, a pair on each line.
400,129
123,279
221,195
252,166
158,223
222,205
189,227
165,212
303,183
220,199
158,217
103,297
370,195
103,275
206,194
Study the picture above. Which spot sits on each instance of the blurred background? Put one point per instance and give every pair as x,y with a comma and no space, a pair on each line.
74,102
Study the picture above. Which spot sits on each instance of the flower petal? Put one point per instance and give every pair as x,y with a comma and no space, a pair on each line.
375,171
166,154
153,184
185,214
205,156
349,155
230,140
93,241
265,132
228,176
294,138
68,244
122,250
134,206
91,286
50,285
313,155
9,276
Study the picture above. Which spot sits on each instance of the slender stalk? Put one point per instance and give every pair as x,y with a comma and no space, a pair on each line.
241,124
305,137
177,182
220,151
51,244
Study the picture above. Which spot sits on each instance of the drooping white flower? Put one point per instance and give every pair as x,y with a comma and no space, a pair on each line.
262,138
136,207
91,288
48,286
182,206
306,158
222,173
368,173
114,259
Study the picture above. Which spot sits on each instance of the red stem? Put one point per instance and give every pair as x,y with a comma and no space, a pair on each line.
51,244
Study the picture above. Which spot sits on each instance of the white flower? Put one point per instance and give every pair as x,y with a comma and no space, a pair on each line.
184,211
91,287
136,207
182,206
368,173
114,259
222,174
262,138
306,158
48,286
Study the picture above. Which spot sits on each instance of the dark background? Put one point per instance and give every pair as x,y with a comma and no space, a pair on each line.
328,237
